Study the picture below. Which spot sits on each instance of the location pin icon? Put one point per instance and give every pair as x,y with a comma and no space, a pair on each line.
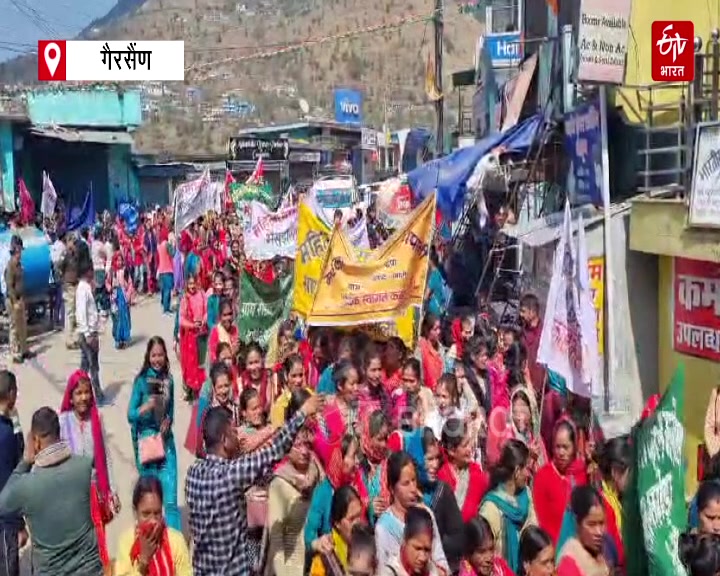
52,57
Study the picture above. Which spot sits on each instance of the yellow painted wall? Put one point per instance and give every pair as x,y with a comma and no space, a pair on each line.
705,14
700,375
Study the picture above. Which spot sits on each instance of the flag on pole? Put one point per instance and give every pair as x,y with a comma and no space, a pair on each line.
27,205
49,197
227,201
258,174
431,90
563,348
588,314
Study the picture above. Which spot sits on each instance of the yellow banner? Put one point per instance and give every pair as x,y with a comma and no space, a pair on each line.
312,242
380,288
313,239
596,270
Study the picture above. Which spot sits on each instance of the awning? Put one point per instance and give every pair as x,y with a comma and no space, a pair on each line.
547,229
93,136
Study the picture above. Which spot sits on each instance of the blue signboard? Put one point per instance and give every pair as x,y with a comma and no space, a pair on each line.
348,106
583,143
505,49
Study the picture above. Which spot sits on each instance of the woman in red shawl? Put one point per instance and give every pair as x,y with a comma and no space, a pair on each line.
82,429
256,375
432,353
555,481
463,329
459,471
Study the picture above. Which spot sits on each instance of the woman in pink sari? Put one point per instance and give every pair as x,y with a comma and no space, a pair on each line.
521,422
193,326
432,354
224,331
340,416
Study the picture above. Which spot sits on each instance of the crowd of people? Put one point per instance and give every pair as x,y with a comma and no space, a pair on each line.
326,454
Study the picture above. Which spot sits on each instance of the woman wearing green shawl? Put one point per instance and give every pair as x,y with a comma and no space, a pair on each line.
508,506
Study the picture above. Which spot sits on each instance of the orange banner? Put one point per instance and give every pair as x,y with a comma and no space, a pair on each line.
382,287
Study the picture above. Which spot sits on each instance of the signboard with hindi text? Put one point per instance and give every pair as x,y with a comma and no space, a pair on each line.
596,271
696,318
704,191
351,291
262,307
270,234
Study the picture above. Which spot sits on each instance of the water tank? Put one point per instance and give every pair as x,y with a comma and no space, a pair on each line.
35,261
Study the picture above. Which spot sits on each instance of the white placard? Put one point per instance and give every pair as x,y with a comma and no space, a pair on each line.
705,188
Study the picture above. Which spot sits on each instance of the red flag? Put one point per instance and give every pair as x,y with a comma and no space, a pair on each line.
27,206
229,204
258,174
553,5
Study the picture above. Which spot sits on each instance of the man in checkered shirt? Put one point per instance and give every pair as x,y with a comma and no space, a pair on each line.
216,485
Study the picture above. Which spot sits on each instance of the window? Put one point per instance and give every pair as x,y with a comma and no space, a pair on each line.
503,16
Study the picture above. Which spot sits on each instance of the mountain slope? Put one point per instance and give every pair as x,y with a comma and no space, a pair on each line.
246,67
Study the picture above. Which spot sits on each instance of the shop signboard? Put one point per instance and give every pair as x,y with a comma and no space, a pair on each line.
348,106
506,49
696,318
252,149
603,40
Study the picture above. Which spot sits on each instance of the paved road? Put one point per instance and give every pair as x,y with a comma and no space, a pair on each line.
42,381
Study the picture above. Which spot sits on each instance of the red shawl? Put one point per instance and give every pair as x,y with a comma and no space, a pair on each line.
161,564
338,478
99,456
392,381
551,494
456,329
478,485
433,364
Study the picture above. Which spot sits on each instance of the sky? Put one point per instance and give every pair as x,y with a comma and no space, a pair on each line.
24,22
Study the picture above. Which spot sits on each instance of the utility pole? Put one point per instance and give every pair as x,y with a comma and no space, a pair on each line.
439,104
386,130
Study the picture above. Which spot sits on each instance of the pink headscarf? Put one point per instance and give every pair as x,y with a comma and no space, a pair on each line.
100,459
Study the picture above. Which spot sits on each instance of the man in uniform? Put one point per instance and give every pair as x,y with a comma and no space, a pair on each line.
16,302
69,271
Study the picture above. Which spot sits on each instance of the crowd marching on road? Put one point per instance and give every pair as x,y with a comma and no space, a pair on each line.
320,450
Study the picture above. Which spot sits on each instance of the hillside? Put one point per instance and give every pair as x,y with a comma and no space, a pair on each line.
231,85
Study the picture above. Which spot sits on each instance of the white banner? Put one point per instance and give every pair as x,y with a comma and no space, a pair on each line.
271,234
196,198
568,343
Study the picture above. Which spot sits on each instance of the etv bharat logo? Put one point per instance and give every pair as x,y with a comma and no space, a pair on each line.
668,43
673,57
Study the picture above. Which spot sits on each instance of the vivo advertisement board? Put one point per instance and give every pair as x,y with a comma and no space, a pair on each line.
348,106
506,49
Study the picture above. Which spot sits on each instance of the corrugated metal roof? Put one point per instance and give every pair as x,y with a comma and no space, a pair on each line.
94,136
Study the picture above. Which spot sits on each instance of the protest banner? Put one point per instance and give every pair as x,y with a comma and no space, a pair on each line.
380,289
312,242
195,199
243,193
262,307
654,510
271,234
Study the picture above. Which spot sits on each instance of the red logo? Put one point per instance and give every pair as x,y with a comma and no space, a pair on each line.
51,60
673,51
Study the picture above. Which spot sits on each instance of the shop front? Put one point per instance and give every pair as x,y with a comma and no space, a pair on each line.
688,308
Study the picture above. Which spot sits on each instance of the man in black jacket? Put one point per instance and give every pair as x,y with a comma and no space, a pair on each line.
12,527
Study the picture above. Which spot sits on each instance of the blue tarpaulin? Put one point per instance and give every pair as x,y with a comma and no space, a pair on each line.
449,174
82,217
